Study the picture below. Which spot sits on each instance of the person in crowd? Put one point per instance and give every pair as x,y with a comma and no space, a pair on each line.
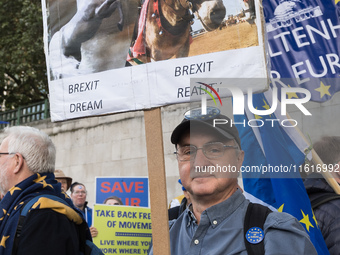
113,200
178,200
64,180
175,211
214,222
179,204
78,196
27,163
327,212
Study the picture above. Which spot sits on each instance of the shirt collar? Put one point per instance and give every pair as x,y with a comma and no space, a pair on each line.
190,215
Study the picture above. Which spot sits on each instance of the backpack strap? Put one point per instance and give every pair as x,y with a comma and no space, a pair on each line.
254,220
18,234
173,213
176,211
325,197
27,208
24,211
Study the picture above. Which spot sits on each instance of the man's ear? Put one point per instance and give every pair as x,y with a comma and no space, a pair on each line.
19,162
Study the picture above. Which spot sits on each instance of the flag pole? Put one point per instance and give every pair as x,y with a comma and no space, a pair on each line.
317,160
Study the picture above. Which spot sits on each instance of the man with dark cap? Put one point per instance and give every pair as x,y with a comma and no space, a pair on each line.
209,158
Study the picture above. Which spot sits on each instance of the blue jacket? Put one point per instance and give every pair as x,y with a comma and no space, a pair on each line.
327,214
87,213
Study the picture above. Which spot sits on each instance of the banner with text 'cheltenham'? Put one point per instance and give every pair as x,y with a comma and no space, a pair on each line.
107,56
304,44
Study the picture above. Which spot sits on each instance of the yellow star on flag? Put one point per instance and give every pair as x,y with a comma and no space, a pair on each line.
305,220
266,106
66,196
291,94
4,214
257,116
41,180
14,189
15,208
323,90
280,209
3,241
337,1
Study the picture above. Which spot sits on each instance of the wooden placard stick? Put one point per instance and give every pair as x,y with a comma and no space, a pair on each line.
157,181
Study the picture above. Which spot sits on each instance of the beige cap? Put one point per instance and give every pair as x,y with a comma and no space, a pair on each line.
60,175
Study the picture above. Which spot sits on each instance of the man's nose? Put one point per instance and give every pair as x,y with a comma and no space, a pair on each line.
200,159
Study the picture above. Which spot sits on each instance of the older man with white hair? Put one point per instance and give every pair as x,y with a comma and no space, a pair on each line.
27,163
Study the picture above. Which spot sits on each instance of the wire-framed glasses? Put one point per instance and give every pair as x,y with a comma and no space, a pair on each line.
80,192
11,153
6,153
210,150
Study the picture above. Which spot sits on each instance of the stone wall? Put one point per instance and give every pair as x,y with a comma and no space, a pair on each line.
114,145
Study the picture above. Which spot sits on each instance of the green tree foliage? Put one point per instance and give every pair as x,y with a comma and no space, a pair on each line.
23,77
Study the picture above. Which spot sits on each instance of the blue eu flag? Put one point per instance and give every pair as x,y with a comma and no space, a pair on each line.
273,154
304,45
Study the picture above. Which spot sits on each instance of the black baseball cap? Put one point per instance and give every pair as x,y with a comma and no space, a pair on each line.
216,122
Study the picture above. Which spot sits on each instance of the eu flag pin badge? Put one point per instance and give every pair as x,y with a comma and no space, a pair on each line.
254,235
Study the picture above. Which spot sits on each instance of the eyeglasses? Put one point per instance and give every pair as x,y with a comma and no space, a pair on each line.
10,153
210,150
6,153
80,192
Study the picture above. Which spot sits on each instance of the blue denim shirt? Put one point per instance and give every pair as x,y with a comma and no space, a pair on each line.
220,232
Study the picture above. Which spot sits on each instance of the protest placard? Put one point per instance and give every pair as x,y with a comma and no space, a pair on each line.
98,65
122,229
133,191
